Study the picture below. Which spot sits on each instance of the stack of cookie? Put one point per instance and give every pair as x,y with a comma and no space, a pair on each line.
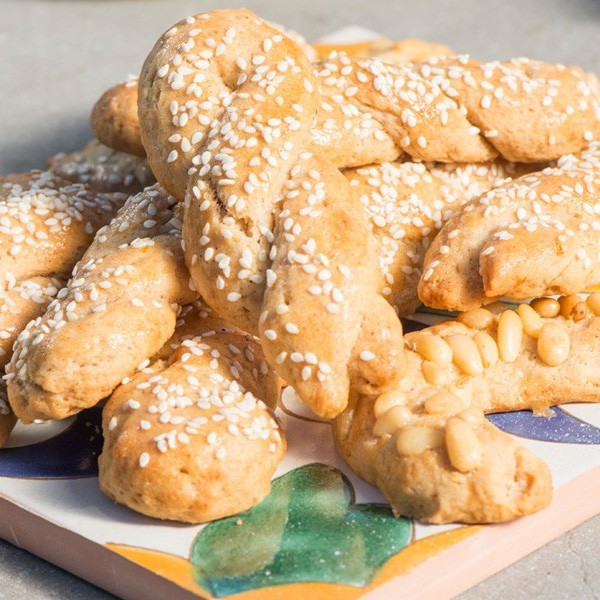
303,207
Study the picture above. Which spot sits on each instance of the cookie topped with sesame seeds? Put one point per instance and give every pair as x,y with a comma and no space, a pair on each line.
190,437
20,302
453,109
408,203
274,240
103,169
47,222
117,310
534,236
427,445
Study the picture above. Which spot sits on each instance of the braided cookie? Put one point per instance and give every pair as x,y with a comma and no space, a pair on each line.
537,235
453,109
190,437
115,119
407,204
20,302
426,444
283,250
117,310
103,169
46,223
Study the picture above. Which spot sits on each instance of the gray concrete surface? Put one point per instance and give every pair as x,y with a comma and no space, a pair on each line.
56,57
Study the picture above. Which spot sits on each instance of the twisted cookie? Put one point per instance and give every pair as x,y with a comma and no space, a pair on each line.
407,204
190,437
537,235
19,303
453,109
282,250
45,224
103,169
426,444
117,310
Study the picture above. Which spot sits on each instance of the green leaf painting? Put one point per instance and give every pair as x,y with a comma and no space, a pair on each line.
307,529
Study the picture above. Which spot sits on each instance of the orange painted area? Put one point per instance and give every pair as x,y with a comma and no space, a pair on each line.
179,571
418,552
171,567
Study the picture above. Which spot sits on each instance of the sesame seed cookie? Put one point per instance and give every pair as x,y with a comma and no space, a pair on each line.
191,437
103,169
534,236
117,310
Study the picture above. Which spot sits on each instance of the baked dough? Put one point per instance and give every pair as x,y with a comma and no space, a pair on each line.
407,204
535,236
115,120
426,444
46,223
103,169
295,262
118,309
191,437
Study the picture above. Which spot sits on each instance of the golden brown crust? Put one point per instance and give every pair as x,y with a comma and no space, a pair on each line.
435,482
117,310
453,109
115,120
199,443
512,482
408,203
294,260
103,169
535,236
48,223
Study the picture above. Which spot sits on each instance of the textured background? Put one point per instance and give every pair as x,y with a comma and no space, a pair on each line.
56,57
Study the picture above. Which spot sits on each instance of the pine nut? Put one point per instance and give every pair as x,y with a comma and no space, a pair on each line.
553,344
465,354
443,403
386,401
434,348
390,421
546,307
567,304
478,318
463,445
417,439
579,312
488,349
593,302
473,416
510,335
436,374
532,322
